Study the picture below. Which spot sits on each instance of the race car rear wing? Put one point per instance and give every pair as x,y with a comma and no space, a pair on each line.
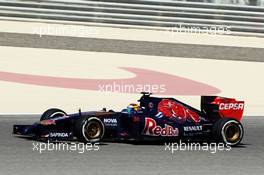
222,107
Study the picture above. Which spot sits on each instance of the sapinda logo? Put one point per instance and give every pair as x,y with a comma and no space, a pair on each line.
59,134
151,128
231,106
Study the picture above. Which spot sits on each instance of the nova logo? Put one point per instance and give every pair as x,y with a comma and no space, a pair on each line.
110,120
152,129
59,134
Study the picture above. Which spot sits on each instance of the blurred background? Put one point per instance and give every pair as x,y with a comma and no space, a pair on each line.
236,2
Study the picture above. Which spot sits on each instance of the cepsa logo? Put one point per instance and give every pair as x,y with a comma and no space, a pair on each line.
231,106
152,129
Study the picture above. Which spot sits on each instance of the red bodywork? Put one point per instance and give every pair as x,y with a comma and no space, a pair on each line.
171,108
229,107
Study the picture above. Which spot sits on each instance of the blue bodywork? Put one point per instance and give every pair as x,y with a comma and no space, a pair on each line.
143,124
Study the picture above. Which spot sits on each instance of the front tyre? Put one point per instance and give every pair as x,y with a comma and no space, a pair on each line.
228,131
52,113
89,129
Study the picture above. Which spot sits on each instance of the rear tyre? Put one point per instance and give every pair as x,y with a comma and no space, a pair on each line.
228,131
89,129
52,113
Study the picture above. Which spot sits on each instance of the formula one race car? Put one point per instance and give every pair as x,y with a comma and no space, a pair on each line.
155,118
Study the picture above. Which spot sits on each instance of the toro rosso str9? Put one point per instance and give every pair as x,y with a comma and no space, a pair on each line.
154,118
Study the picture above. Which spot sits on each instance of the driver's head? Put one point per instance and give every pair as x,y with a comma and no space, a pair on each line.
133,107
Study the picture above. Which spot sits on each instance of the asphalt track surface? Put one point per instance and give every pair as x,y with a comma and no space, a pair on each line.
132,47
17,156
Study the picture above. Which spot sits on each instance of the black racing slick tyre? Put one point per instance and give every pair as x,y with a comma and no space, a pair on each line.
52,113
89,129
228,131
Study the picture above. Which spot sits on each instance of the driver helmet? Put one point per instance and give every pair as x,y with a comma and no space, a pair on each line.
132,108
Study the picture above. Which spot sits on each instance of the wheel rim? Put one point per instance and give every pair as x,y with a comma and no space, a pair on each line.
93,130
232,132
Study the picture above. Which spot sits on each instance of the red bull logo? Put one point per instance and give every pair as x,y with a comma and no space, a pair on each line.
152,129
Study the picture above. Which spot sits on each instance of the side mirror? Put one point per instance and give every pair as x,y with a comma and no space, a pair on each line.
146,93
80,112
